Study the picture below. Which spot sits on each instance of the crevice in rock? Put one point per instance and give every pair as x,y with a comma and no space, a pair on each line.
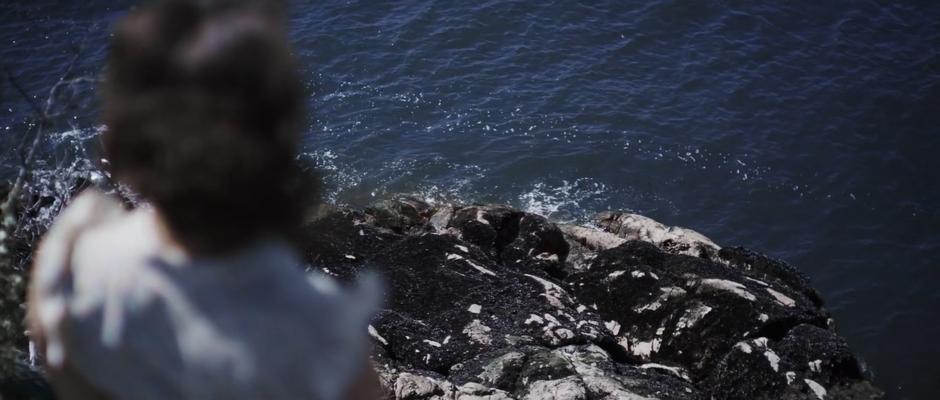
507,232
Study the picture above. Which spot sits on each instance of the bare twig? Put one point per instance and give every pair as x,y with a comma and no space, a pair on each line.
6,208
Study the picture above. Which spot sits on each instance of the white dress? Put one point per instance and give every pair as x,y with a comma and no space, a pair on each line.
141,320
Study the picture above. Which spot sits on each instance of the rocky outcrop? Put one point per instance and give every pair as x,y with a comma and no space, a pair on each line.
488,302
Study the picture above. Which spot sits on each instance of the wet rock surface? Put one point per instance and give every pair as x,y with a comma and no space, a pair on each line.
488,302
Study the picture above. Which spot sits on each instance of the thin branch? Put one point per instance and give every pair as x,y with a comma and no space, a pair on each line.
6,208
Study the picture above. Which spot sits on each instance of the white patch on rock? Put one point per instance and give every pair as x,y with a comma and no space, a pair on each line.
547,256
412,386
773,358
665,294
655,305
636,274
763,317
534,318
452,256
791,376
551,319
581,308
480,218
350,256
478,332
691,317
615,275
759,282
638,227
564,333
475,308
677,371
375,334
569,388
624,342
553,293
728,286
593,238
479,268
817,389
613,327
645,349
761,342
815,366
432,343
781,298
744,347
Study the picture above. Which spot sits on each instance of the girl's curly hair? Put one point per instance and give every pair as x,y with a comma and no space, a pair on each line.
203,107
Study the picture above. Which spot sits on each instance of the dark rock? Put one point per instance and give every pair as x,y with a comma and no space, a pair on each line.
451,301
491,227
24,382
341,242
488,302
809,362
580,371
759,266
682,310
539,246
401,214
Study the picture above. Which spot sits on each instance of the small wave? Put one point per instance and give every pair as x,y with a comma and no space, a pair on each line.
564,202
338,175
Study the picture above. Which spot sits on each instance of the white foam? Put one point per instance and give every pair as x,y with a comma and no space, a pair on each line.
562,202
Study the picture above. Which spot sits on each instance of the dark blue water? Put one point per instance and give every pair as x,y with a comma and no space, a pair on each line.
808,131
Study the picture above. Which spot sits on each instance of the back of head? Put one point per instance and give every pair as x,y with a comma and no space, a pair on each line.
203,108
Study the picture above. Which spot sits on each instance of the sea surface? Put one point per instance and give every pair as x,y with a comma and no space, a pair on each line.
808,130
